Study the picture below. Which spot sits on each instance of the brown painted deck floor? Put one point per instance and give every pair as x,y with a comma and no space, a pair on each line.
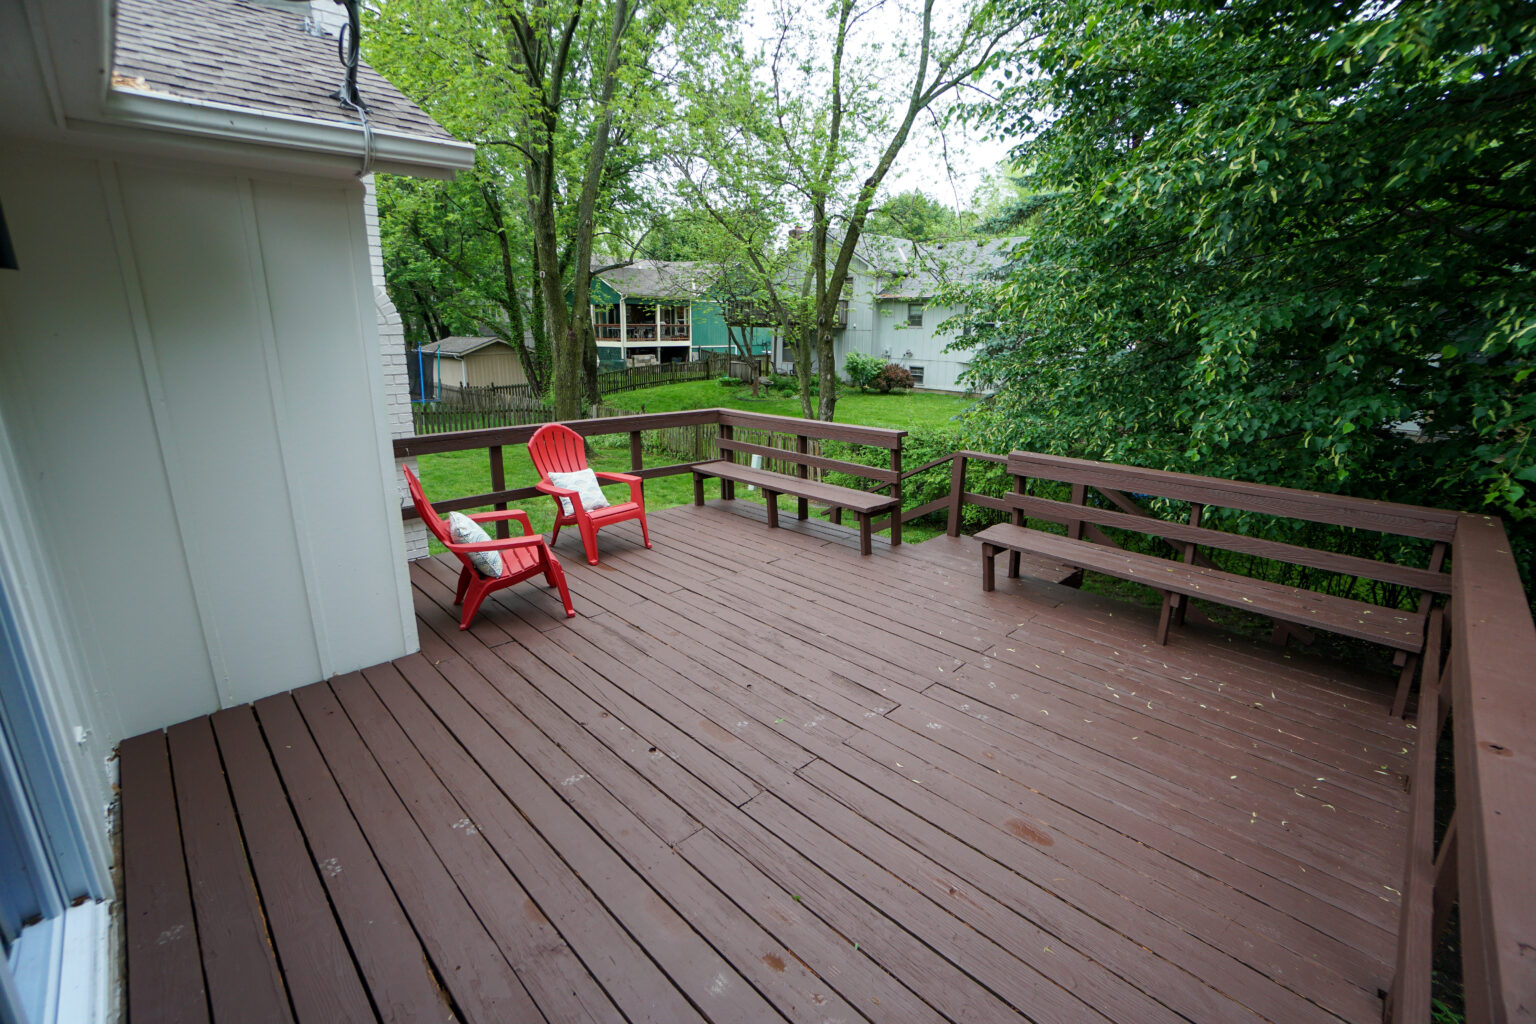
760,777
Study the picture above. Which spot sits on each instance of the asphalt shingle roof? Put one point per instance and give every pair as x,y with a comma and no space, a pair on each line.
250,55
458,346
658,279
935,264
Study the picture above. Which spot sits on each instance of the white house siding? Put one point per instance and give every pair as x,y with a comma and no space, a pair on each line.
213,453
941,369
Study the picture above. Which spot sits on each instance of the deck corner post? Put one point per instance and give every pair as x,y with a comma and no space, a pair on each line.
957,467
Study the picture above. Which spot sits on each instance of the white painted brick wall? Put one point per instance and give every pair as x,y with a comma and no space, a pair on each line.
397,394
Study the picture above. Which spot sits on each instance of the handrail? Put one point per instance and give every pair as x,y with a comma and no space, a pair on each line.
875,437
1493,649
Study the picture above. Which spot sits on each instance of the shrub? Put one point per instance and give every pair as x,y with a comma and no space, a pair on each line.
923,445
892,378
727,381
862,370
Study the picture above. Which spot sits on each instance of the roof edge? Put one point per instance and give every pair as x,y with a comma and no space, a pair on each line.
393,151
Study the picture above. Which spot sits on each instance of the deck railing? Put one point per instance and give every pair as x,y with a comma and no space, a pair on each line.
1479,655
786,440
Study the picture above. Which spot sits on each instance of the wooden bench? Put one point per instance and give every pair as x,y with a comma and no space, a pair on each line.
1391,627
861,503
1087,547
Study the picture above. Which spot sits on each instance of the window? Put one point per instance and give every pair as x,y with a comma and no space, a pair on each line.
914,314
916,371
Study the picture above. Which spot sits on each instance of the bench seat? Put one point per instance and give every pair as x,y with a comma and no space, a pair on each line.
1391,627
861,503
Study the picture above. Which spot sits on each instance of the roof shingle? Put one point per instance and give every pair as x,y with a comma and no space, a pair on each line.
245,54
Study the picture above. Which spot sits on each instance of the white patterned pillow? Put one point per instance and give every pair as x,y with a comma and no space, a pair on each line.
465,530
584,483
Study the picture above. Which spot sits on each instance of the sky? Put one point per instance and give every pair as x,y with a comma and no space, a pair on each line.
922,164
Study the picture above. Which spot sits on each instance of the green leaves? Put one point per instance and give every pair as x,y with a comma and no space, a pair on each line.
1284,244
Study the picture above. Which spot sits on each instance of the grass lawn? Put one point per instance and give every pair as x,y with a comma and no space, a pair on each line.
896,411
455,474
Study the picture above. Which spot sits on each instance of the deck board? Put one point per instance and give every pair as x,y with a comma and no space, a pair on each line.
760,777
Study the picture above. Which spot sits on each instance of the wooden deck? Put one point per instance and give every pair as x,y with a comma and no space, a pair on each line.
759,777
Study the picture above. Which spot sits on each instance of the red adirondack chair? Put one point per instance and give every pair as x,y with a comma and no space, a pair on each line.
556,448
521,557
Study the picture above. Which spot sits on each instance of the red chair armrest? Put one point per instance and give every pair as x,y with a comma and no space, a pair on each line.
562,492
636,485
537,540
514,513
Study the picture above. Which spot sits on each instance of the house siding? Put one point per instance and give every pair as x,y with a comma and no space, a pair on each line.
894,338
215,453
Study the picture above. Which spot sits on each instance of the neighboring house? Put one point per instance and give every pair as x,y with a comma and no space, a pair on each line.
198,501
907,320
474,362
891,313
660,311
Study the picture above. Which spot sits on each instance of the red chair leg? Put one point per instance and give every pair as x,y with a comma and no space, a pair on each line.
558,572
465,576
645,531
589,540
472,602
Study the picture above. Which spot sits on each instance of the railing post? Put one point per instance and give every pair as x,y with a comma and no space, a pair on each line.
499,483
896,493
957,467
636,454
803,471
727,487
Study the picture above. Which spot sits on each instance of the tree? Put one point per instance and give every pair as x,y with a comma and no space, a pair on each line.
820,138
1284,243
917,216
455,263
565,94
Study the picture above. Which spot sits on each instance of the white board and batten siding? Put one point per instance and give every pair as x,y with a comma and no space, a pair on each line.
190,385
893,334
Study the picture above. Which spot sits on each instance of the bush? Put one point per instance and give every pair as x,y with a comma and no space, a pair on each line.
920,446
862,370
727,381
893,378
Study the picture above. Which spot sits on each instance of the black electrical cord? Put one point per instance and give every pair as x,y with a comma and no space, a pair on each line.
348,52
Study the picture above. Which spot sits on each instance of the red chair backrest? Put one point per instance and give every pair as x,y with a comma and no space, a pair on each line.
424,508
556,448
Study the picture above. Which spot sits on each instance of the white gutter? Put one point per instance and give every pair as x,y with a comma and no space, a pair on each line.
393,151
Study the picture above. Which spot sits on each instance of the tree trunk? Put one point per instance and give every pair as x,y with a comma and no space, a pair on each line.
826,367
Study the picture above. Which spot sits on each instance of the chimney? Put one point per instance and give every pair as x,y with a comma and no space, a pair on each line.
326,17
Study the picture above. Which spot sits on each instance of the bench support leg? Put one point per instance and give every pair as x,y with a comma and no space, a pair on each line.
1166,617
727,489
1405,686
772,498
837,515
865,545
803,508
988,567
698,489
1013,565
